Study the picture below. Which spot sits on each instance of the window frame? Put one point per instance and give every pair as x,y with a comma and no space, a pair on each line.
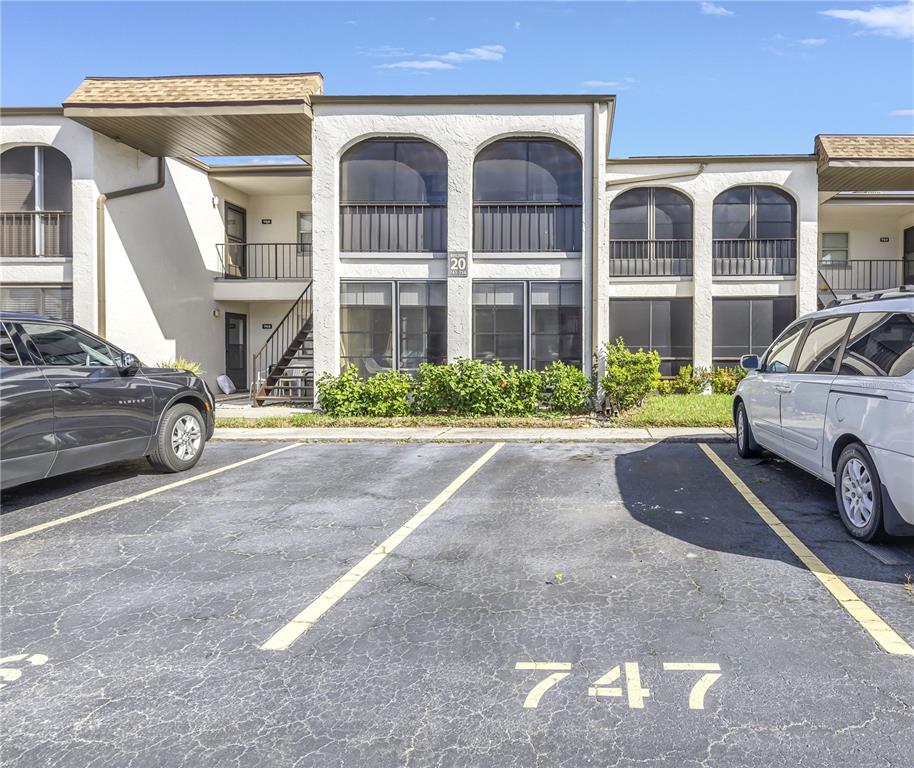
724,361
527,312
528,141
41,287
690,360
396,141
840,263
396,342
652,214
753,212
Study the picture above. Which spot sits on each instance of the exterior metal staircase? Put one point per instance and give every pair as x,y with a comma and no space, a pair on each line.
284,366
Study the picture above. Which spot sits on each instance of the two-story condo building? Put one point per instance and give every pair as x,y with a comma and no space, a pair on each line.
382,232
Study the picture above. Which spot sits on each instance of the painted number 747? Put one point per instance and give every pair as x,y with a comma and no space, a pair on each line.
610,684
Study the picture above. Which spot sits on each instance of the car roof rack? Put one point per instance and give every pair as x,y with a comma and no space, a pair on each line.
901,292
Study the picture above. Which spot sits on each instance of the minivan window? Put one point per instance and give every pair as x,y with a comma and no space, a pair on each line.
822,345
8,354
778,360
880,344
60,345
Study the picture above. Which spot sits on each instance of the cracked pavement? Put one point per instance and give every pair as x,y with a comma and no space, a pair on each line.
151,614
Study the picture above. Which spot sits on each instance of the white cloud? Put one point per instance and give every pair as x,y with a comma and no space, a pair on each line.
430,62
711,9
902,113
352,22
601,83
388,52
886,20
812,41
421,64
516,25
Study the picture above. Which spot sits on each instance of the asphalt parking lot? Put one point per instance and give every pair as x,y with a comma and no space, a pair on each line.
447,605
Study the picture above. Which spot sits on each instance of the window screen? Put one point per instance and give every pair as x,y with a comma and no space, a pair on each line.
528,170
60,345
385,171
423,324
498,322
366,326
822,345
664,325
555,324
629,215
55,302
880,344
747,326
17,173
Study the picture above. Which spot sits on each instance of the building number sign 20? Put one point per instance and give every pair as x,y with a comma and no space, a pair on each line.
610,684
457,264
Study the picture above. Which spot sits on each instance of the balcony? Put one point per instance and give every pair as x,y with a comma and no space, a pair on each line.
650,258
755,258
526,227
863,274
394,228
265,261
35,234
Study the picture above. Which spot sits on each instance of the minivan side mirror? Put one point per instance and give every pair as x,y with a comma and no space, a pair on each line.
129,362
749,363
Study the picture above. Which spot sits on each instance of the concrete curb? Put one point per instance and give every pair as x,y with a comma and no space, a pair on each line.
474,435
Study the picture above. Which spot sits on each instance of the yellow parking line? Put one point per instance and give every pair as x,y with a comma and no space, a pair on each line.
141,496
882,633
284,637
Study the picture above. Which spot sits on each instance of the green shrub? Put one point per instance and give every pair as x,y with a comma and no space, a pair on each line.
566,389
182,364
724,380
629,376
665,387
520,397
386,394
434,388
688,381
341,395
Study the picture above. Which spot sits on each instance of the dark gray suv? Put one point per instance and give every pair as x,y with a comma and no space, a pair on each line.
70,400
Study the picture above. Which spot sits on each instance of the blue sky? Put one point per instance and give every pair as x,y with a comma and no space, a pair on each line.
691,77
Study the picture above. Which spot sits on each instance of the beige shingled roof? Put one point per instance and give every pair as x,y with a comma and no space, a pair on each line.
196,90
866,147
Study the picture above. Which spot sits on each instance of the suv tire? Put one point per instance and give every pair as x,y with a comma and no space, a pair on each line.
746,446
858,492
180,439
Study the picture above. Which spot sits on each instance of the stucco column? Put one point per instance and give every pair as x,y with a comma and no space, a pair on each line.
702,281
807,259
460,238
325,255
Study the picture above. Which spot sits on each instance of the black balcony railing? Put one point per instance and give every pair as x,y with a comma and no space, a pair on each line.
755,257
265,261
373,227
36,233
863,274
526,227
650,258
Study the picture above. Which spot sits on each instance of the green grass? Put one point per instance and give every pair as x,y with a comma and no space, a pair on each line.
322,420
681,411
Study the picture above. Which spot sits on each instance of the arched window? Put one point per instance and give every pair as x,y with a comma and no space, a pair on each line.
754,231
393,196
36,202
528,196
650,231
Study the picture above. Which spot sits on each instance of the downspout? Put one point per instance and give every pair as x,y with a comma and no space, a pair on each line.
655,177
100,239
595,239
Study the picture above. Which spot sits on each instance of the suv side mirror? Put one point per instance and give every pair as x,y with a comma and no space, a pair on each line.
128,362
749,363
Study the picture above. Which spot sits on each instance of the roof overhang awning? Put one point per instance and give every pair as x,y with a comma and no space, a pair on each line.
865,163
231,115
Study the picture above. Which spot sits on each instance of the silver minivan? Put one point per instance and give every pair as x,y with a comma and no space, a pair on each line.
834,395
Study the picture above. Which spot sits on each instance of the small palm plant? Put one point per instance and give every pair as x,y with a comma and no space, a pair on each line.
182,364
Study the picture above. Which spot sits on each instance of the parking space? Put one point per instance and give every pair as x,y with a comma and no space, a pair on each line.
562,605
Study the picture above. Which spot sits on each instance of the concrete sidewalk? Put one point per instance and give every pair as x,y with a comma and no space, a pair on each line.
473,435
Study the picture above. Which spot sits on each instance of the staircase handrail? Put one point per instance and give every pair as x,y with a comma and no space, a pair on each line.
834,296
293,320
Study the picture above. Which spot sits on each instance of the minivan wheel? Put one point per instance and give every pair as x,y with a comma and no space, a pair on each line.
858,493
180,439
745,443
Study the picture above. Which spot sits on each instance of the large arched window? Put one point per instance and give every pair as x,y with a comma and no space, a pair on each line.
393,196
755,232
36,202
650,231
527,196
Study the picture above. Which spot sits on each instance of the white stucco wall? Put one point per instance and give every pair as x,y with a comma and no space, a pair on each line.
798,177
460,130
866,223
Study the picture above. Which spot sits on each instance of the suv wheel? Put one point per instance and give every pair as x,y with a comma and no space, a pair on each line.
745,443
859,495
180,439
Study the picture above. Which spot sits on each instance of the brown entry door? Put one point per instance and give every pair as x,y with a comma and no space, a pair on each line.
236,230
236,349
